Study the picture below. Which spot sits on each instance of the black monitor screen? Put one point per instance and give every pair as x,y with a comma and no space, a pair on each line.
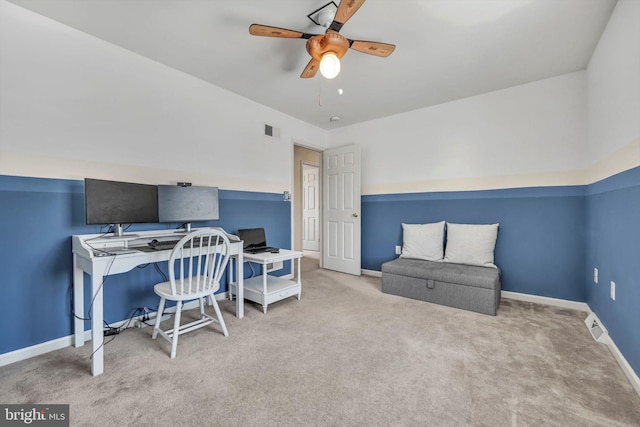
186,204
114,202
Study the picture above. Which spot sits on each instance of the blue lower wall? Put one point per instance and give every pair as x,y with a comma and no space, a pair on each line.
613,241
540,248
550,239
37,219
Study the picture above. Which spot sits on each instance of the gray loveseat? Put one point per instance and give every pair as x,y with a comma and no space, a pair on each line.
456,285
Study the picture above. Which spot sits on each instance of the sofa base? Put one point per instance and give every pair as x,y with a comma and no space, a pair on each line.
478,288
450,294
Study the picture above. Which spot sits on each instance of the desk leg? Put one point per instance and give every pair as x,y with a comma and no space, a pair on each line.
97,338
264,288
78,304
240,285
299,279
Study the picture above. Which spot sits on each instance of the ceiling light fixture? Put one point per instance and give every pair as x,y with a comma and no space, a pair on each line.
329,65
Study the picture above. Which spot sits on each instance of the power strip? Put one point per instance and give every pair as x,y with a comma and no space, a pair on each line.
151,321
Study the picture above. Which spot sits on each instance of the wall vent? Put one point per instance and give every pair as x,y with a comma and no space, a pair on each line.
271,131
597,330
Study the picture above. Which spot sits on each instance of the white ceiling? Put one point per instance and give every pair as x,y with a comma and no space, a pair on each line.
445,49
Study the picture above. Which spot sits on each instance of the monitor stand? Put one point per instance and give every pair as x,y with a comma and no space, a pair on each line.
187,228
118,232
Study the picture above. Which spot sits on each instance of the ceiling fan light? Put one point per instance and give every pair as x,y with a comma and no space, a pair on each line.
329,65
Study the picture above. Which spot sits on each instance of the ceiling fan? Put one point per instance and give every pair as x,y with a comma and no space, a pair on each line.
327,49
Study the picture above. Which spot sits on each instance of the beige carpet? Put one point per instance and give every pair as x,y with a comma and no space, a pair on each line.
346,354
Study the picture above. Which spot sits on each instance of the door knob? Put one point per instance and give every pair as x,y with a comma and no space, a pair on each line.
355,214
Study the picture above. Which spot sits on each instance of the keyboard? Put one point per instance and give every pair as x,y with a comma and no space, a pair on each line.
163,245
261,249
169,244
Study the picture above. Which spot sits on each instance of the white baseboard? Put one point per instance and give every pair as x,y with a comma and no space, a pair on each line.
556,302
58,343
373,273
38,349
626,368
605,338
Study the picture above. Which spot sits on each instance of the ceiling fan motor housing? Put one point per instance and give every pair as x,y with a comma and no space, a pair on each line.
329,42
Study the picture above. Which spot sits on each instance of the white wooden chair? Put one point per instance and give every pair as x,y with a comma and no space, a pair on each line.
196,265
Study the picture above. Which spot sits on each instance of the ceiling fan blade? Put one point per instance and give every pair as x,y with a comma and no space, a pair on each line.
267,31
372,48
311,69
345,11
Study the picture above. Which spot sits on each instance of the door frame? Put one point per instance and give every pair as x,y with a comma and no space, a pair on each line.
320,149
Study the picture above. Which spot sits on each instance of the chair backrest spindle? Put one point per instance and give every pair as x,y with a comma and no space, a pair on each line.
207,253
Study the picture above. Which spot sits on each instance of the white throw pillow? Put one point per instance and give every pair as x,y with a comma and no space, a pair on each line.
423,241
471,244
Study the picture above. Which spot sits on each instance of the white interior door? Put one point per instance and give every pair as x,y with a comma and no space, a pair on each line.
341,209
310,208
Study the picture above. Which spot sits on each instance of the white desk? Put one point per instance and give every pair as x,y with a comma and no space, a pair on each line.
87,258
266,289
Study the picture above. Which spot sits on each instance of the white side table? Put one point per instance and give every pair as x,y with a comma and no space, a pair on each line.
266,289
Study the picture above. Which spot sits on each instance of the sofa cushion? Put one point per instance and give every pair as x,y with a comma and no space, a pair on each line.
471,244
423,241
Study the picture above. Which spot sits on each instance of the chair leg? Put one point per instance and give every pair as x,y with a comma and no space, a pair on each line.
216,307
201,308
176,329
158,318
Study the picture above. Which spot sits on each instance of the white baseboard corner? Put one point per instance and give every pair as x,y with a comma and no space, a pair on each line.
599,333
556,302
59,343
373,273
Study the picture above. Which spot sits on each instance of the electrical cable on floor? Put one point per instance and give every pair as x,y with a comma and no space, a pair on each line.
127,324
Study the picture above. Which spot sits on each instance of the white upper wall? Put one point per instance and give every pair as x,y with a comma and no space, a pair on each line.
72,105
613,78
528,135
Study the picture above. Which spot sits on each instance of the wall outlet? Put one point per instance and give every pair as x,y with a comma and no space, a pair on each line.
595,275
274,266
613,290
398,250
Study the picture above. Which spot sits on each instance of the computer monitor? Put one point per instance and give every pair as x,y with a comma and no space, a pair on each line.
117,203
187,204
